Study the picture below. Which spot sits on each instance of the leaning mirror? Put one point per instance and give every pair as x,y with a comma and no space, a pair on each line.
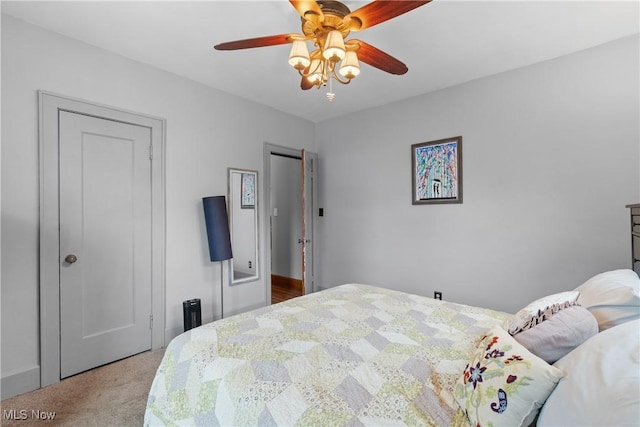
243,224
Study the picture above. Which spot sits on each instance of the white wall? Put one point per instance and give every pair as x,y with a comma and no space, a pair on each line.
206,133
550,159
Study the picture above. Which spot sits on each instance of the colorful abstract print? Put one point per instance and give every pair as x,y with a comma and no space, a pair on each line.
248,190
437,171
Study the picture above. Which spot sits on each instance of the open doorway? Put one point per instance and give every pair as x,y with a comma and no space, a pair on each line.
290,198
286,227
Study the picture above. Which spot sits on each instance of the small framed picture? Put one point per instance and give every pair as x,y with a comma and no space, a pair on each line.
248,191
437,171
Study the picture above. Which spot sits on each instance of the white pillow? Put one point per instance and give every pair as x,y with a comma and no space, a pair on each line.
539,310
612,297
602,382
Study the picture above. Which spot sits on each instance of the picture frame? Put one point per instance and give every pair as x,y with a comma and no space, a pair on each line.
248,191
436,171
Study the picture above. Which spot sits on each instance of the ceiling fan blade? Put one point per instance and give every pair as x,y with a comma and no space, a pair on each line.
257,42
308,9
376,58
379,11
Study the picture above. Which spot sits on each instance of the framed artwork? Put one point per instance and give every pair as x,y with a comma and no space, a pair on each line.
437,171
248,191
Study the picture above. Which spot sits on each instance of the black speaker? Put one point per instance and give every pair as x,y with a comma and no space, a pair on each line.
192,313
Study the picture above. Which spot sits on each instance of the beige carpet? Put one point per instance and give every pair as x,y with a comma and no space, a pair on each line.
111,395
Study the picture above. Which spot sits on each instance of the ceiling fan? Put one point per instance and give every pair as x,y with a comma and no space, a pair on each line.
326,24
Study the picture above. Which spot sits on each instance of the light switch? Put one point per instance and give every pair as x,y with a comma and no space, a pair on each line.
275,211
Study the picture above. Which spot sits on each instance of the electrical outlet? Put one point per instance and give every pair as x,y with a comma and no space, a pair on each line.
250,264
437,295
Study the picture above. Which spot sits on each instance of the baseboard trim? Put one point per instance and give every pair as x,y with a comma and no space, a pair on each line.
20,382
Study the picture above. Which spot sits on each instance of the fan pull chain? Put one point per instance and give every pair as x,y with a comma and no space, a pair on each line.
330,94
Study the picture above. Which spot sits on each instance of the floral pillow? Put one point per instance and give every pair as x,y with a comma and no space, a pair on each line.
503,383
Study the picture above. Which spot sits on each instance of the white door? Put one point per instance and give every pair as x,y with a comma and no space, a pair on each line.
105,241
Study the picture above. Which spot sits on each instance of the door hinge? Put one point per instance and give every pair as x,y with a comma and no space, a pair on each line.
151,152
151,321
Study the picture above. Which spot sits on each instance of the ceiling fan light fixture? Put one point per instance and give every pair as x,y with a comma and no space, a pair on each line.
315,72
349,67
326,23
334,46
299,55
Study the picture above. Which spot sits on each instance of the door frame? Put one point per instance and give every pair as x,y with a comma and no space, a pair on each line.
311,215
270,149
49,105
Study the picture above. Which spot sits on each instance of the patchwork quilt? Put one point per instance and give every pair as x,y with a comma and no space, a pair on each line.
351,355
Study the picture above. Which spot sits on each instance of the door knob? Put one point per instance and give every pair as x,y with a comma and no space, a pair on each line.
71,258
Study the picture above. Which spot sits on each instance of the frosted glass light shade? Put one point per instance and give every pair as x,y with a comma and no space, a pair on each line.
334,46
299,55
315,71
349,67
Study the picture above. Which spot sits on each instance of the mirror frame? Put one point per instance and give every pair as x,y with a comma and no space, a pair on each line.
255,208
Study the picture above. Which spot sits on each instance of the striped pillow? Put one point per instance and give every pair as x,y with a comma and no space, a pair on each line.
540,310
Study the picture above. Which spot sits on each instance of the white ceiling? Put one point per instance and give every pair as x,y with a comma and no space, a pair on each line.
443,43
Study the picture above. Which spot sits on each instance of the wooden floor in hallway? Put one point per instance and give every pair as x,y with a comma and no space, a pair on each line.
284,288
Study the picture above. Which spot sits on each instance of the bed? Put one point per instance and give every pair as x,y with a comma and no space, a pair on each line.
356,355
